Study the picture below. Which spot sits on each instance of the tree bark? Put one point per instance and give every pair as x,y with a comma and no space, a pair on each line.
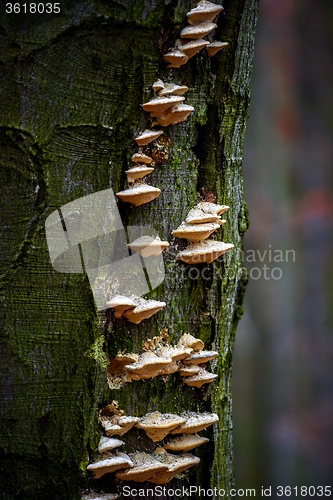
71,85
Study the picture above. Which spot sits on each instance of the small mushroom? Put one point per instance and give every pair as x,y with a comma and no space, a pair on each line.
141,158
159,105
205,251
176,465
124,359
176,353
195,232
188,371
148,136
185,443
114,422
138,172
157,425
197,31
119,304
215,47
212,208
205,11
139,195
192,47
201,215
196,422
198,358
144,309
147,246
107,444
110,463
200,378
173,89
176,58
144,467
174,115
158,86
149,365
188,340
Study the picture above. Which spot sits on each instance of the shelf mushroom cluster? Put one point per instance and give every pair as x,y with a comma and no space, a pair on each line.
200,223
187,358
191,38
160,466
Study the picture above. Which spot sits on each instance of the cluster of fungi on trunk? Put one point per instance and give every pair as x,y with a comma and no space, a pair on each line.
187,358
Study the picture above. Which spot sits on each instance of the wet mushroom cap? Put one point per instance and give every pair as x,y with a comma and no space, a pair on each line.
185,443
197,31
158,425
205,11
144,467
205,251
139,195
147,136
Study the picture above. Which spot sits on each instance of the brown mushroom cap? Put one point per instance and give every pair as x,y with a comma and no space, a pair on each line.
141,158
118,425
149,365
198,358
158,85
119,304
192,47
212,208
139,195
107,444
147,246
110,463
174,115
176,464
138,172
173,89
157,106
200,378
188,371
196,216
205,251
196,422
144,467
195,232
157,425
185,443
197,31
144,309
124,359
205,11
176,353
147,136
176,58
189,341
215,47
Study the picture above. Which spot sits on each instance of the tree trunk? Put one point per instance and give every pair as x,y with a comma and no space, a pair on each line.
72,84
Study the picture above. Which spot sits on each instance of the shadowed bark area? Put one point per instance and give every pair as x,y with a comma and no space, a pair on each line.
71,88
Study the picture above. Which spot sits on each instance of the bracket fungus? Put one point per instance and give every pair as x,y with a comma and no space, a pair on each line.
107,444
120,304
157,425
195,232
197,30
204,12
193,47
174,115
205,251
110,463
185,443
198,358
149,365
114,422
196,422
175,58
215,47
188,340
188,371
139,194
146,246
176,464
172,89
144,467
143,310
147,136
159,105
200,378
141,158
138,172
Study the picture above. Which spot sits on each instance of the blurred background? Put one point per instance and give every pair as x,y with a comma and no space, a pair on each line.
283,369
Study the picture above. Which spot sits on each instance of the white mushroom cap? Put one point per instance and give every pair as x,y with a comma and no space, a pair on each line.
192,47
119,304
176,58
198,358
158,85
157,106
144,467
149,365
110,463
205,251
196,422
158,425
147,246
173,89
107,444
147,136
174,115
189,341
215,47
205,11
188,371
195,232
139,195
138,172
144,309
176,465
212,208
176,353
200,378
185,442
197,31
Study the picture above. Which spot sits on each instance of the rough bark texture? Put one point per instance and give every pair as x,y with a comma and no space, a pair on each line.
71,89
